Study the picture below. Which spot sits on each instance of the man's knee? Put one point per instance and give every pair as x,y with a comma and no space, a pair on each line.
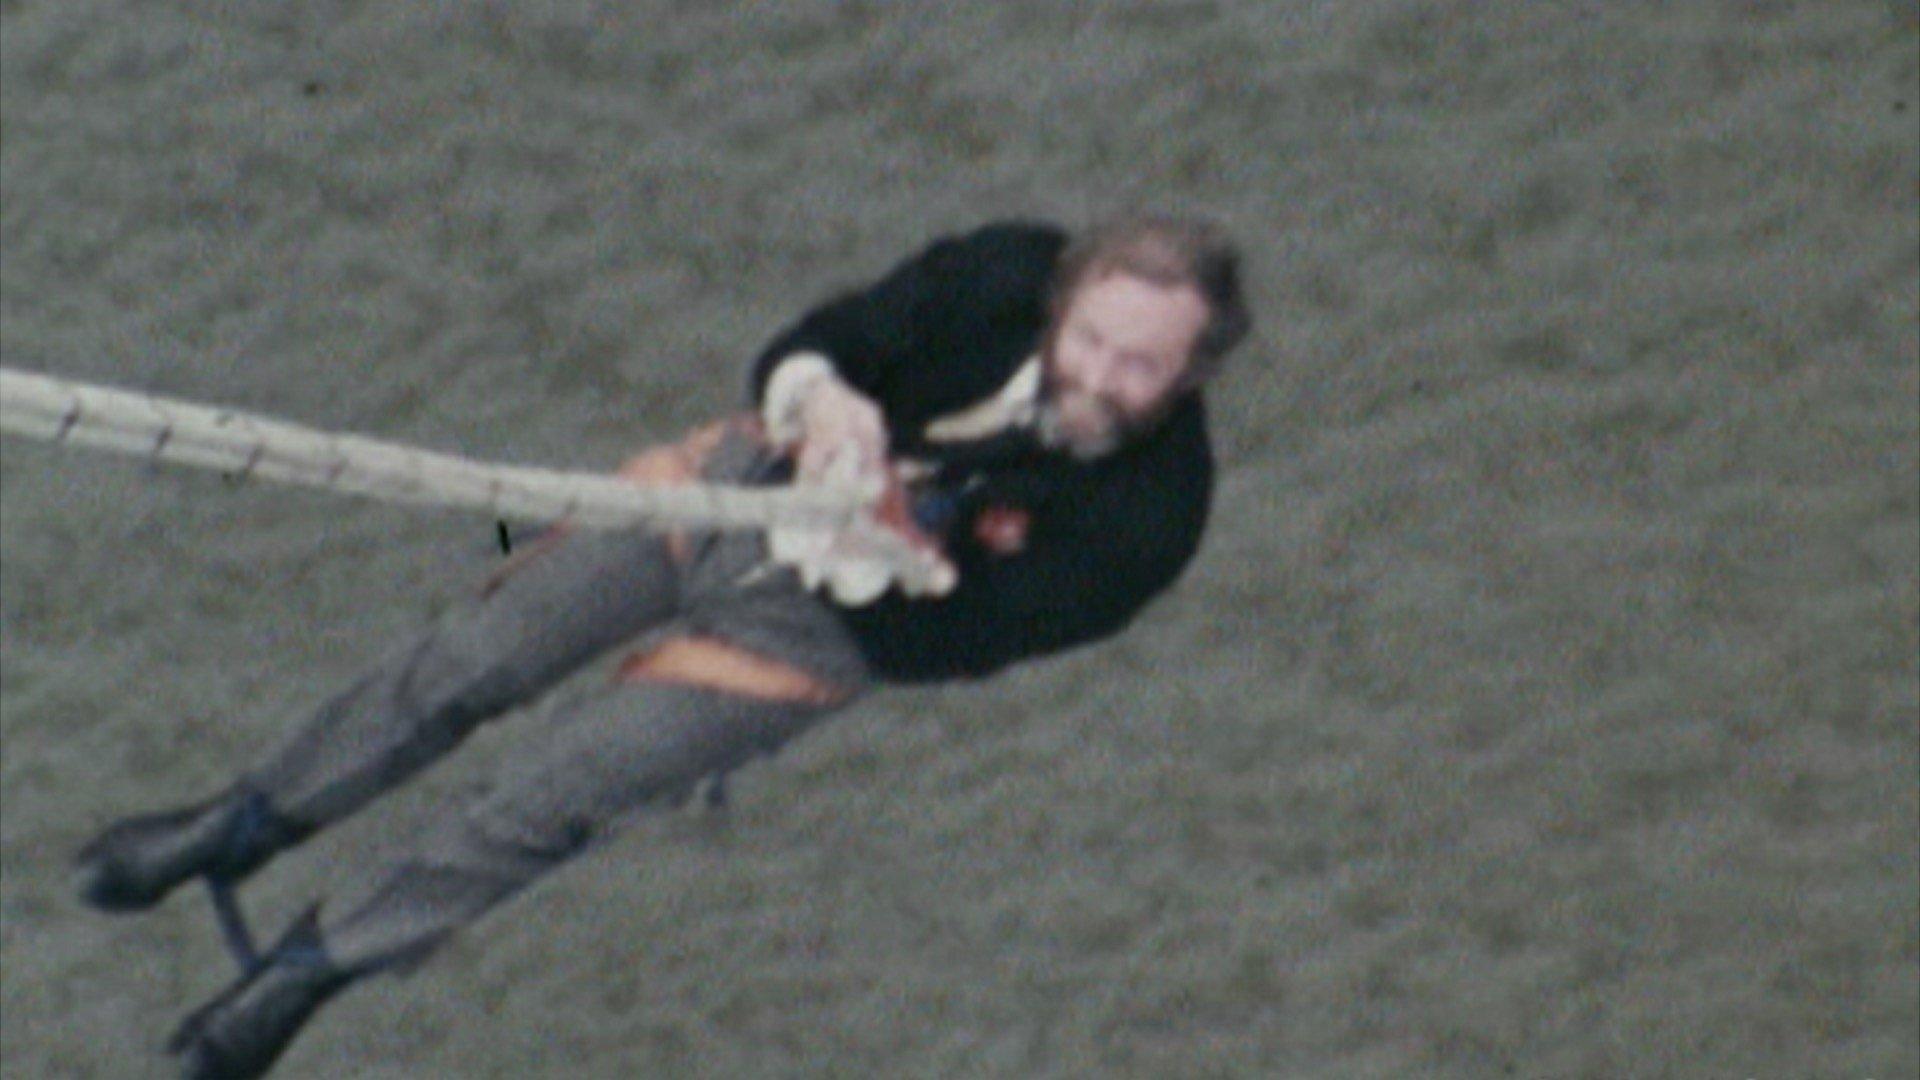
511,835
461,674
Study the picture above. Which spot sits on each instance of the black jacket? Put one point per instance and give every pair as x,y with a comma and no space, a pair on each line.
940,332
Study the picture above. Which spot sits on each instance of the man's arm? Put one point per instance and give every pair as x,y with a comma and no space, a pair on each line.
911,342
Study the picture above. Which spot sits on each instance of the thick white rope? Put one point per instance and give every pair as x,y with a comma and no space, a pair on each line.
249,447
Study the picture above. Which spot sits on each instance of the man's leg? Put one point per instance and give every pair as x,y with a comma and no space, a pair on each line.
631,746
615,751
636,745
591,592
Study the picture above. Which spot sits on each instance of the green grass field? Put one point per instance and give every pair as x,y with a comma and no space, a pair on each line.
1544,701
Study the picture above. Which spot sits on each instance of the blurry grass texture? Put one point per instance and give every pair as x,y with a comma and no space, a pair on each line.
1543,700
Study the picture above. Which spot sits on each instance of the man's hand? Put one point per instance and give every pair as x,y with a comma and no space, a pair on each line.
838,437
843,439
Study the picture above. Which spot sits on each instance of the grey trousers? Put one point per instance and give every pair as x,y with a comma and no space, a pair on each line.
608,752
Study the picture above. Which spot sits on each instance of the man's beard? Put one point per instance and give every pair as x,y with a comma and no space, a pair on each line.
1055,432
1099,425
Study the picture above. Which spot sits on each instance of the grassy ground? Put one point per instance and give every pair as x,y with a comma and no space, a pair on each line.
1543,702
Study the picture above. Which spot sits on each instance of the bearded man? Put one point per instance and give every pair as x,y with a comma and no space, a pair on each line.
1032,399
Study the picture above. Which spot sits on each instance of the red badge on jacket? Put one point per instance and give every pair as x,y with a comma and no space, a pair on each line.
1002,529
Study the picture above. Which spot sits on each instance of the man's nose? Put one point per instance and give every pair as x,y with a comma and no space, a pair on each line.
1102,379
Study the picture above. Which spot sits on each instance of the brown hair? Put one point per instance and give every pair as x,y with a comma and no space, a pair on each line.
1169,251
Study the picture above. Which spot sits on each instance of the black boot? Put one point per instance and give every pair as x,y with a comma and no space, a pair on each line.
244,1030
138,860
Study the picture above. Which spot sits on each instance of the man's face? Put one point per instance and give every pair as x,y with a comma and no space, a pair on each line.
1112,361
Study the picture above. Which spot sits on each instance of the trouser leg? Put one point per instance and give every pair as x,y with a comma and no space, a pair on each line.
589,593
614,752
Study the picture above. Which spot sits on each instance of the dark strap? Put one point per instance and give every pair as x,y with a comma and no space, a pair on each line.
233,925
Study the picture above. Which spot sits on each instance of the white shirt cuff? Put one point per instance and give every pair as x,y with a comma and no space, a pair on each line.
787,388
